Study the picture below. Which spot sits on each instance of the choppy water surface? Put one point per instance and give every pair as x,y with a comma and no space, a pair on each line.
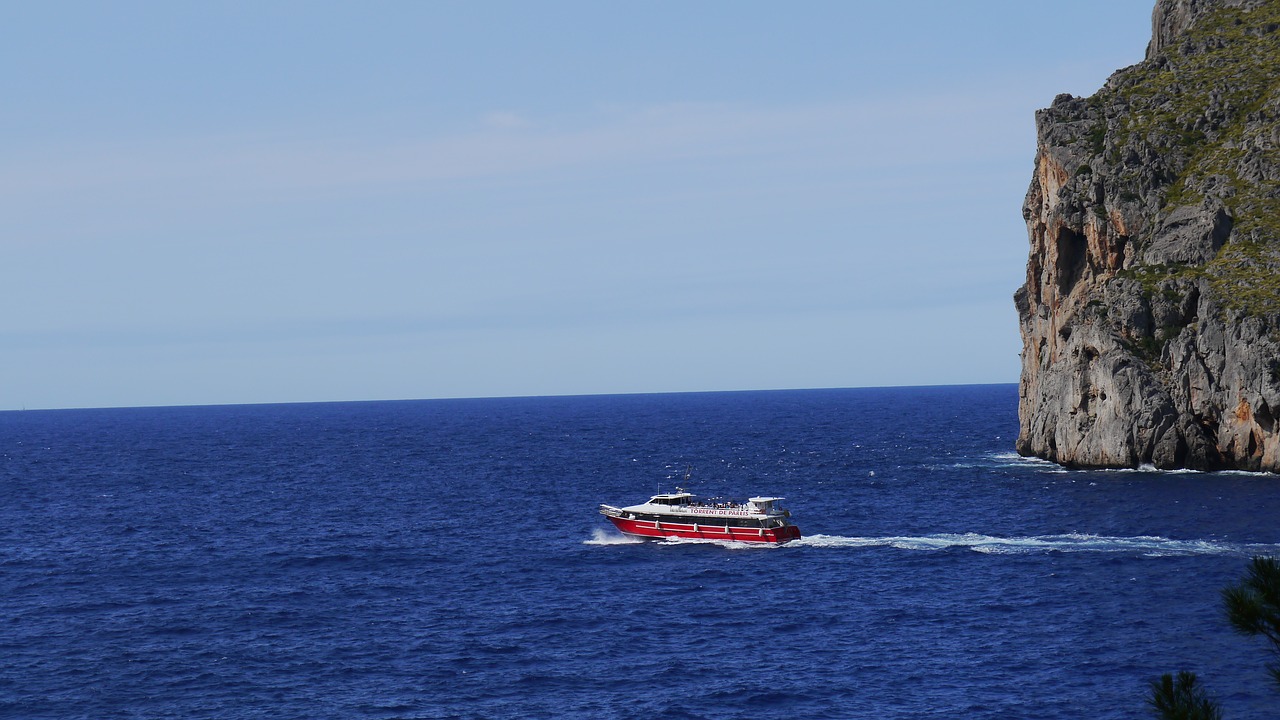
445,559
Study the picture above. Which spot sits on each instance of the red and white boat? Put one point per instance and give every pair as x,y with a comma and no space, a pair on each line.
681,514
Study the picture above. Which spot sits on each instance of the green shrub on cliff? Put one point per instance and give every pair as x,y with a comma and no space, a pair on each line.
1208,106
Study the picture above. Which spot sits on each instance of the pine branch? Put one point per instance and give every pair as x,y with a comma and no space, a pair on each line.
1182,698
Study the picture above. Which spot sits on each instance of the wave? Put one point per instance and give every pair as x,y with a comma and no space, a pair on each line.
1013,459
1146,545
604,537
1148,468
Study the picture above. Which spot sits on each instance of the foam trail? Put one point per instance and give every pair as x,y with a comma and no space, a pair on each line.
727,544
1147,545
604,537
1013,459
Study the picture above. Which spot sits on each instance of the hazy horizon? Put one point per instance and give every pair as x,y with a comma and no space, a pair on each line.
521,397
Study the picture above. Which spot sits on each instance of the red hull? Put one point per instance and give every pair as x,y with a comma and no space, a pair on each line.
649,528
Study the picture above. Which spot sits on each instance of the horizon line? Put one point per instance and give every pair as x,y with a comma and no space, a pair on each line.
446,398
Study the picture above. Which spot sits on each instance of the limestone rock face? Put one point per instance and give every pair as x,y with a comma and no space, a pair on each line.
1170,19
1150,316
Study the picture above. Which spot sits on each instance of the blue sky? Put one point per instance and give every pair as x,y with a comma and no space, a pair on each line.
302,201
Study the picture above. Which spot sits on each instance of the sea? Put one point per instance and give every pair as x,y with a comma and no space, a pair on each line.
446,559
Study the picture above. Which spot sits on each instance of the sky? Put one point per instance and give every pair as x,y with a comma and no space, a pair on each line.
245,202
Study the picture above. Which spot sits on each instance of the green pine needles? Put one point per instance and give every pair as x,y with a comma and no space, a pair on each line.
1182,698
1253,608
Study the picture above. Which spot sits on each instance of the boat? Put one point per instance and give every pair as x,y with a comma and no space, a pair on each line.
682,515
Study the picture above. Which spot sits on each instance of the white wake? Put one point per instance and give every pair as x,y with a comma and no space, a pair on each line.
604,537
1014,460
1147,545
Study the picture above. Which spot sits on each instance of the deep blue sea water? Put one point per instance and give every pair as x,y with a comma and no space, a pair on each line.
444,559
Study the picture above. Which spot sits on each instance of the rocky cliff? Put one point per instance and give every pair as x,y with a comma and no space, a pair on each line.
1150,316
